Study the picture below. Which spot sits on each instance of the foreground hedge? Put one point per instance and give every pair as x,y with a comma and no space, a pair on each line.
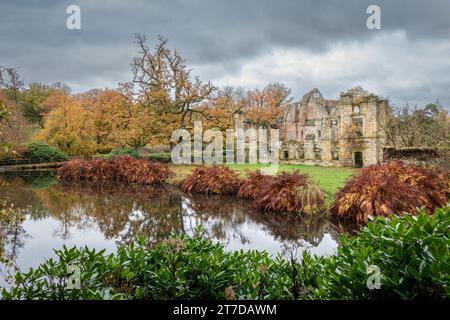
412,253
43,152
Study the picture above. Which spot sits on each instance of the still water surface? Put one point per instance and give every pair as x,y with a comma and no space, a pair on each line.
104,216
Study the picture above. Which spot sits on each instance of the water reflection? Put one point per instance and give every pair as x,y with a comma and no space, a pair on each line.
103,216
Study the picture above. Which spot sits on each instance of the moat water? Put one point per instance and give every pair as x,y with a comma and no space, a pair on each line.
104,216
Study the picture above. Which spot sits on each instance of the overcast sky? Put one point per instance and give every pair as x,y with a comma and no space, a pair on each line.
301,43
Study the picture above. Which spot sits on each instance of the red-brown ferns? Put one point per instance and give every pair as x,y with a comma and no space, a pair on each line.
252,184
123,169
394,187
286,192
213,180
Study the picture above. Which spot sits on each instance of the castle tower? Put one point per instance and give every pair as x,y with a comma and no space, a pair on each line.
345,132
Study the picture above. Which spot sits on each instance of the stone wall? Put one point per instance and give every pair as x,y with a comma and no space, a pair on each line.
320,126
313,129
419,156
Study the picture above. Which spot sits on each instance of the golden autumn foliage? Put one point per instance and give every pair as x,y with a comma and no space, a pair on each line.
259,107
220,111
163,96
264,107
68,126
105,108
101,120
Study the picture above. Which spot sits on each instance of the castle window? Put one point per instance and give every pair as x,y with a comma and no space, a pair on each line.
319,134
301,154
286,154
334,129
335,155
318,155
358,122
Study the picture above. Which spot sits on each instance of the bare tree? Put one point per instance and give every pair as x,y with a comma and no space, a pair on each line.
412,126
10,80
165,82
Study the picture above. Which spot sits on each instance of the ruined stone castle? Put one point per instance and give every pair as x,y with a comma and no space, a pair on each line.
344,132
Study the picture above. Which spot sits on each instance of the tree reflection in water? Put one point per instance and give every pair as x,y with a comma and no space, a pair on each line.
123,212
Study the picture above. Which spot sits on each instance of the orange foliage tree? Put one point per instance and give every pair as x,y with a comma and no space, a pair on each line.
68,126
264,107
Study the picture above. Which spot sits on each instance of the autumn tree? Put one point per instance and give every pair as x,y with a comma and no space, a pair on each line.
165,82
4,112
14,129
134,124
107,109
138,127
260,107
32,101
222,108
98,121
264,107
68,126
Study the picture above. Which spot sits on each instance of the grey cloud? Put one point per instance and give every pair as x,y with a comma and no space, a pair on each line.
221,33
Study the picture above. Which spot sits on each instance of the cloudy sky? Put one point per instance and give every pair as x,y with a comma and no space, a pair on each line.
301,43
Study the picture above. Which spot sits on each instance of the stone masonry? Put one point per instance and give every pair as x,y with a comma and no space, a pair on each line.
344,132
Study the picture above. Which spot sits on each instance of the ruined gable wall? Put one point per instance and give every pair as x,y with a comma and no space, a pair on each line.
315,128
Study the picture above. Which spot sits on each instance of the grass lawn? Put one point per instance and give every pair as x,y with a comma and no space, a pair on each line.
330,179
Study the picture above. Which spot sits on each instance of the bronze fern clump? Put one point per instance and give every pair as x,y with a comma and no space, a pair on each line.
213,180
391,188
286,192
119,169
